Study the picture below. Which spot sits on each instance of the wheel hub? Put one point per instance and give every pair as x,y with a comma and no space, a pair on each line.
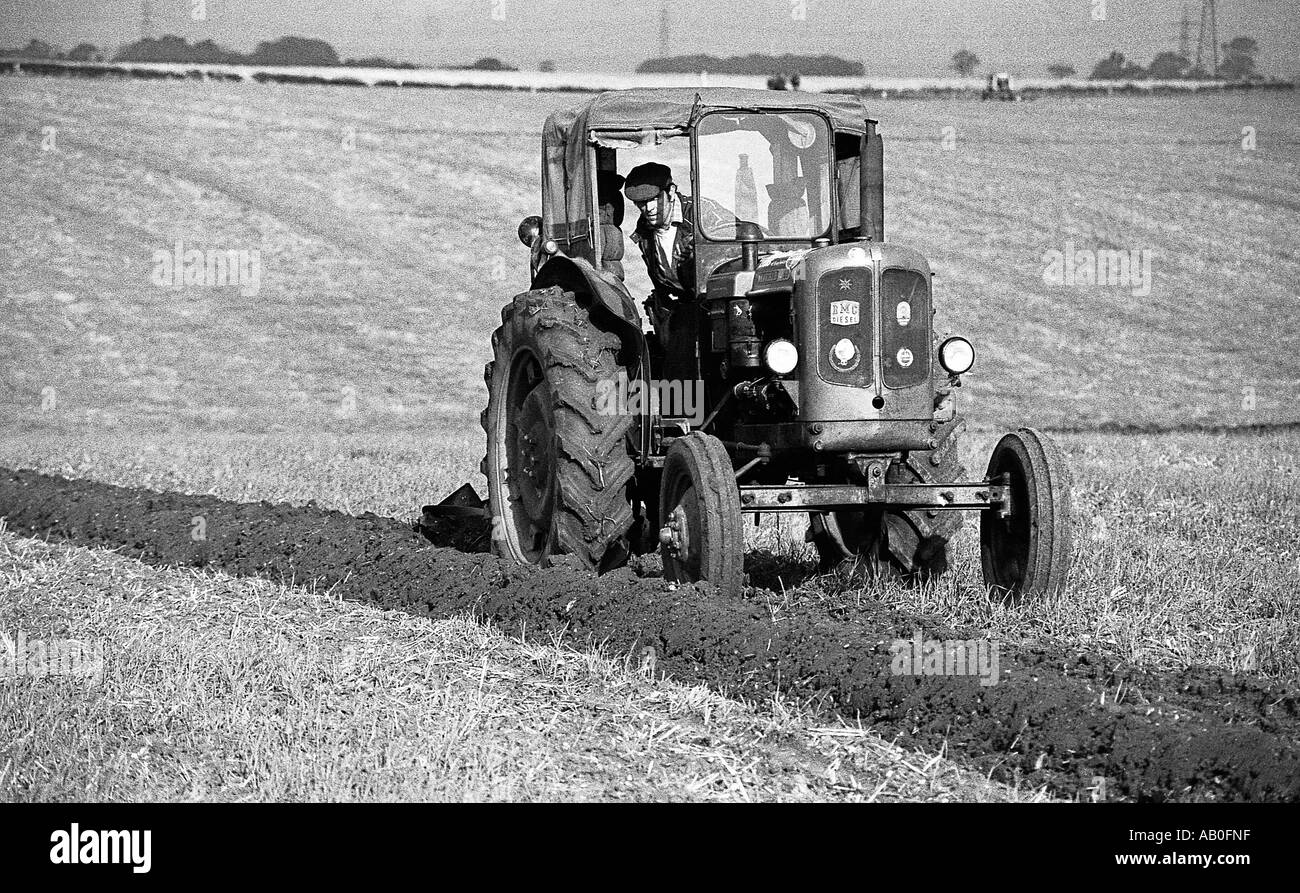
534,454
675,535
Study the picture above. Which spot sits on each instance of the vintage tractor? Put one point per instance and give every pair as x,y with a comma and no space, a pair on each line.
806,342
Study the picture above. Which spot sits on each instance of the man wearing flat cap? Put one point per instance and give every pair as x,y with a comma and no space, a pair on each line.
665,235
664,232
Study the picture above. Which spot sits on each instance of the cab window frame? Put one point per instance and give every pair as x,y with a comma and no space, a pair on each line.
832,198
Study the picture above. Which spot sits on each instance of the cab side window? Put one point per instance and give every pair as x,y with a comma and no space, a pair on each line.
848,180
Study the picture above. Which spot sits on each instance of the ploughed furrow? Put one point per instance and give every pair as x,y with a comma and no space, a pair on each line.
1051,717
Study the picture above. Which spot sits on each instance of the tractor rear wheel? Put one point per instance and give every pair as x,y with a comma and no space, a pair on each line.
557,461
702,537
1027,553
892,543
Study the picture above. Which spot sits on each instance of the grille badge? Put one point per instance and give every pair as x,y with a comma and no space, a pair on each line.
845,313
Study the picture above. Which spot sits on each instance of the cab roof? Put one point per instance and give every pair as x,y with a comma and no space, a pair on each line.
678,107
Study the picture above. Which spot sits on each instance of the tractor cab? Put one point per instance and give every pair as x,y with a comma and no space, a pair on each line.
789,164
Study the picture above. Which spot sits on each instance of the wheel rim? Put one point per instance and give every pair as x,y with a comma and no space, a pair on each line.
683,549
1010,539
529,448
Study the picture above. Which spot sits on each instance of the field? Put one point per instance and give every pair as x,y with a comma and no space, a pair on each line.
351,381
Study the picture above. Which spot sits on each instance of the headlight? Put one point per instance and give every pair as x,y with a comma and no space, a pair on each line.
844,355
529,229
957,355
780,356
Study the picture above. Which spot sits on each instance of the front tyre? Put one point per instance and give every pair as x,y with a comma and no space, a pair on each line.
1027,554
702,537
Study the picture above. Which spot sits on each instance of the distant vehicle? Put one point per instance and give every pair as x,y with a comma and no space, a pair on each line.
999,87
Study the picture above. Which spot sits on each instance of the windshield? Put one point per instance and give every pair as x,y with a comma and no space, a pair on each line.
770,171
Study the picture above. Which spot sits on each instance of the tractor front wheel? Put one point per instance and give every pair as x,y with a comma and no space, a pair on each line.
1027,553
702,537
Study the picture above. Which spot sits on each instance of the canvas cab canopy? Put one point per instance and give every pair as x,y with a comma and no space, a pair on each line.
622,119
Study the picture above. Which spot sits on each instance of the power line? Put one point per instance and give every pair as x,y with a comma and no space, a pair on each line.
1185,34
150,15
1214,29
1210,30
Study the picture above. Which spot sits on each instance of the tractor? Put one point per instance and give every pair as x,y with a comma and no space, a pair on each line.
999,87
807,341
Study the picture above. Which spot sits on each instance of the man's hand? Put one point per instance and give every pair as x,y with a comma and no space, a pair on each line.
660,311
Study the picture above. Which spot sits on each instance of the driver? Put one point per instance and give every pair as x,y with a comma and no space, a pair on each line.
665,235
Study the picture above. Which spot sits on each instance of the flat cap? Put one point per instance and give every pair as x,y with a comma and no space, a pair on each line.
645,181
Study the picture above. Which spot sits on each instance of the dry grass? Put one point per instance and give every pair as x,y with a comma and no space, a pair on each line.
225,689
389,475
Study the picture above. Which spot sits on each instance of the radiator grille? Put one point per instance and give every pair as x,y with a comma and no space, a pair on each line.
844,311
904,328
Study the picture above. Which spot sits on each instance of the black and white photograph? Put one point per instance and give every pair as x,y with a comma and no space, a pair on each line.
845,402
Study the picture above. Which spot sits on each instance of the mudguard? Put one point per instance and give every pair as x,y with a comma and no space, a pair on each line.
577,275
611,300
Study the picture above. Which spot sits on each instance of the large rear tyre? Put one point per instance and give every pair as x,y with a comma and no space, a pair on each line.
891,543
557,459
1027,554
702,537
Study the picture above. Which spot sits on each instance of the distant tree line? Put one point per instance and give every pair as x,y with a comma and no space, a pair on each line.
753,64
289,50
1237,63
39,49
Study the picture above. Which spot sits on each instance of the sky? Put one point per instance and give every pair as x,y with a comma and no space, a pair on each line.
902,38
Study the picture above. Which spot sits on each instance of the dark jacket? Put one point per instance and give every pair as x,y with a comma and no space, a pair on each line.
683,252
